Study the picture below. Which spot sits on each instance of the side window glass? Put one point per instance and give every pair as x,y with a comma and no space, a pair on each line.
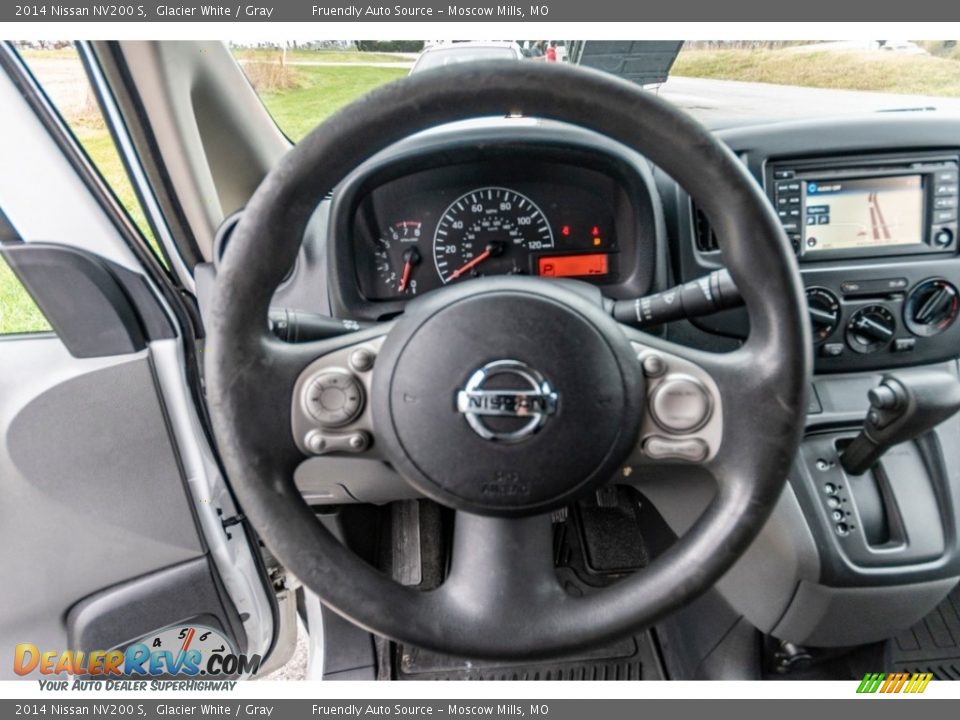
57,67
18,312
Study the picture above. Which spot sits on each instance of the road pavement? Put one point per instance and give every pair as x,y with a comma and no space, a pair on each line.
720,103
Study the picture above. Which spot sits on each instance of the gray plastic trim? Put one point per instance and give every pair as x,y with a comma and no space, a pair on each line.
216,139
231,552
62,476
121,614
761,585
837,617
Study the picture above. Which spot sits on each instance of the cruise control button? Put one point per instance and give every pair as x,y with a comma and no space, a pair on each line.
653,365
660,448
680,404
334,398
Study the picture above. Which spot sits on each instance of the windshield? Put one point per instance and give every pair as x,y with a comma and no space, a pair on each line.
721,83
455,54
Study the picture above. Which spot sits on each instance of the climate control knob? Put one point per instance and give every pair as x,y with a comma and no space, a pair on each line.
931,307
871,329
824,310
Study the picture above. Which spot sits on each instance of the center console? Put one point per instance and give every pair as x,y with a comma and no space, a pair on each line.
876,238
870,206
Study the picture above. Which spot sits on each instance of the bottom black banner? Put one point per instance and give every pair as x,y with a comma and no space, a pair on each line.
872,706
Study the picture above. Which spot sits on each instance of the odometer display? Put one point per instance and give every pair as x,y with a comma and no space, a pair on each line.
591,264
489,231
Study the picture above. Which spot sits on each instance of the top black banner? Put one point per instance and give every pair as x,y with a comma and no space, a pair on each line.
323,11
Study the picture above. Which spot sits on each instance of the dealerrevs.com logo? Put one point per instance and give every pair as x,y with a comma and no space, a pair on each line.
911,683
190,651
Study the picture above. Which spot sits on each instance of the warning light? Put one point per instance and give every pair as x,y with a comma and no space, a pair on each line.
565,230
597,242
595,231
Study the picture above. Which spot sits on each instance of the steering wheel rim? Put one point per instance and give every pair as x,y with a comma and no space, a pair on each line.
501,598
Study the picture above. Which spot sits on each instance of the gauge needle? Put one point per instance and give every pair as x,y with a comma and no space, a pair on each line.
405,278
491,250
410,258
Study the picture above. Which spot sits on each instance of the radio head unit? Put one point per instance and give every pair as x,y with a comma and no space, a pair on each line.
867,207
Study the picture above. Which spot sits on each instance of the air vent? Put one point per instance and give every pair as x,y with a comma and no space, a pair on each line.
703,233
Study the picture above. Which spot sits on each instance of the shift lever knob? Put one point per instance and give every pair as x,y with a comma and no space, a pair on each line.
902,407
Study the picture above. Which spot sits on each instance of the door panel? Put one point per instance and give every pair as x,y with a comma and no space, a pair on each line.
91,491
113,512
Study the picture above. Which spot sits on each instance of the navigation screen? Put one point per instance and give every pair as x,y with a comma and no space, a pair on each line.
844,214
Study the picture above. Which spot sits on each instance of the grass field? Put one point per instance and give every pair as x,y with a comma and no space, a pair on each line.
330,56
18,314
321,92
314,94
848,70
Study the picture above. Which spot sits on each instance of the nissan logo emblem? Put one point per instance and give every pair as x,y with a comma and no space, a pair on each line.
506,389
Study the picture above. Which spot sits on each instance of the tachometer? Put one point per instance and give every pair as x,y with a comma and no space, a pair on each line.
396,256
489,231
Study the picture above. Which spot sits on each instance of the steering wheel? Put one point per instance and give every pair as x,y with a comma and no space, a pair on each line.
506,398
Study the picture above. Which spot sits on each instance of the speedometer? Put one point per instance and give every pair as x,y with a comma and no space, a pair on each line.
489,231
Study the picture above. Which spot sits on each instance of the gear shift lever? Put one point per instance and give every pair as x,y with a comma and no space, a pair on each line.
902,407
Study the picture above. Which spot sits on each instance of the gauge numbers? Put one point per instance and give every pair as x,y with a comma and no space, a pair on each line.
490,230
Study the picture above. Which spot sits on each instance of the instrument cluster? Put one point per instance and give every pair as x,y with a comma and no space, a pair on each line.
418,232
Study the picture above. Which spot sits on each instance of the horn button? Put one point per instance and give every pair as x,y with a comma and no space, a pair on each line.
506,401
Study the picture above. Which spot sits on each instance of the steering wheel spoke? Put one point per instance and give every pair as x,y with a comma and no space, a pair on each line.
698,403
502,565
330,397
684,418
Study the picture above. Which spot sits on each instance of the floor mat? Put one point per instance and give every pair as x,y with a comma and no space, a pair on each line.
595,546
933,644
630,659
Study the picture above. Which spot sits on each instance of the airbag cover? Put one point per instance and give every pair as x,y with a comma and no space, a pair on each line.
573,419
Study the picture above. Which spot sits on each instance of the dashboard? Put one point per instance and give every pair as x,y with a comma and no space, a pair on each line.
870,204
